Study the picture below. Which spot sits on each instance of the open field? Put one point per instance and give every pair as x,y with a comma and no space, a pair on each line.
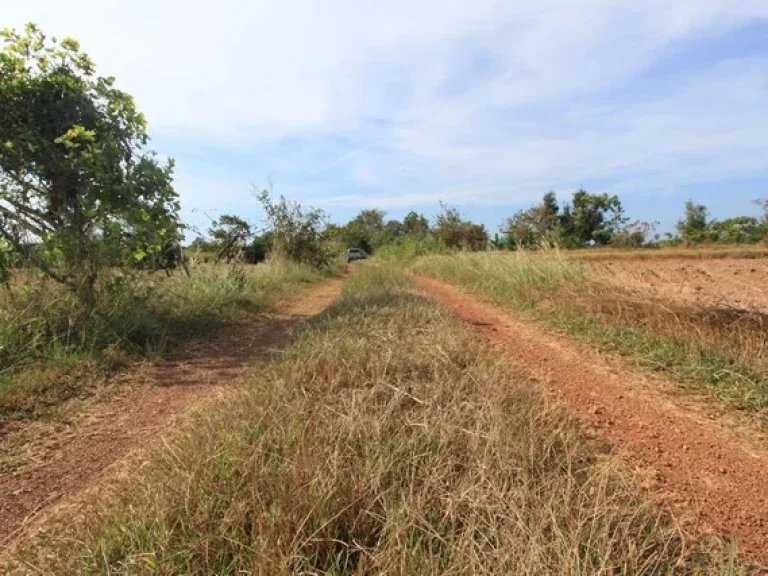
719,283
701,252
424,453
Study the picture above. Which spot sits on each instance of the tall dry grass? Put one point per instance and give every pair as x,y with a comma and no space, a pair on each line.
721,348
51,347
387,440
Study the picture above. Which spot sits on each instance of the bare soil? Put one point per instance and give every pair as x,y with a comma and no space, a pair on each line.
703,467
733,283
62,463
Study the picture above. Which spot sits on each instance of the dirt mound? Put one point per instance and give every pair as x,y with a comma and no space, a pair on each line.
701,465
111,430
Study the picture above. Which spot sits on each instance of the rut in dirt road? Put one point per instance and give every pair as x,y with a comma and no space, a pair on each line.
117,427
707,472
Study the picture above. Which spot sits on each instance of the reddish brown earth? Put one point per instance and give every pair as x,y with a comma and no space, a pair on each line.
736,282
697,462
113,429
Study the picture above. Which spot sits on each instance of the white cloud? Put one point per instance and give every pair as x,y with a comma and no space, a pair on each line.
471,102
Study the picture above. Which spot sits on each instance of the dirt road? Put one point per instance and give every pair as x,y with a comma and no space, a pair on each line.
704,469
113,429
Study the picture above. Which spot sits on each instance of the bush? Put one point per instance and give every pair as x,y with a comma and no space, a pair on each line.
297,233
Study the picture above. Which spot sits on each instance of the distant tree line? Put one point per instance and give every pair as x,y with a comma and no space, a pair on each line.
586,220
315,240
599,220
696,227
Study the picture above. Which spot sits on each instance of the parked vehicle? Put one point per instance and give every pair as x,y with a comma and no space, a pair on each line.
355,254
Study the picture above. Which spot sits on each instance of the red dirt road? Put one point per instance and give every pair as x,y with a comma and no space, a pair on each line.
115,428
703,469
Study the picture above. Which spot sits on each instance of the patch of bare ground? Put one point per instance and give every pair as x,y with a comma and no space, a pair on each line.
728,283
57,463
701,465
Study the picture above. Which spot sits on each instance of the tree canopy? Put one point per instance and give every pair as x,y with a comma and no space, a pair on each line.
76,179
231,235
590,219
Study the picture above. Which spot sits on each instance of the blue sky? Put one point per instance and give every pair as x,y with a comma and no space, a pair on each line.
486,105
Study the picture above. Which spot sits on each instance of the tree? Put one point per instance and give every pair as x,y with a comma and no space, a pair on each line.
529,228
75,176
594,218
739,230
297,232
393,230
457,233
550,209
258,250
231,234
366,230
564,233
521,230
416,225
693,226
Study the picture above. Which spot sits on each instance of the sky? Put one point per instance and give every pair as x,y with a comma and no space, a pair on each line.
399,105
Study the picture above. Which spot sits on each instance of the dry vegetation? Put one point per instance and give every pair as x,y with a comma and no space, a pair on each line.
388,439
51,349
721,348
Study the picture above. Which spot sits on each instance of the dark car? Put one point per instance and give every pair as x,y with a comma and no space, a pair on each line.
355,254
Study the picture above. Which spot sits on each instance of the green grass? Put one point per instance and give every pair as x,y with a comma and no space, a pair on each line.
388,439
718,350
50,350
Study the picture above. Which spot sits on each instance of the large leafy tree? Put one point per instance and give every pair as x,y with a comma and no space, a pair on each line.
594,218
79,191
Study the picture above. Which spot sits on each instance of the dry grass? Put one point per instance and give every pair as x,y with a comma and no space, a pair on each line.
720,348
51,350
388,439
